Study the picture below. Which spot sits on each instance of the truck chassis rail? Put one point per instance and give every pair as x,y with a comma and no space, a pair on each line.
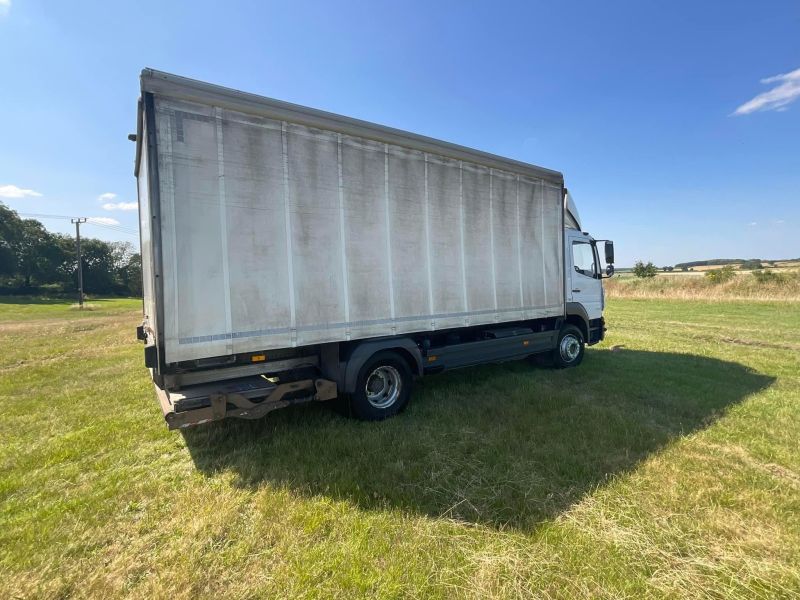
245,398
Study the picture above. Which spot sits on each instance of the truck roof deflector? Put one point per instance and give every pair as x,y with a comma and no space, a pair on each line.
573,219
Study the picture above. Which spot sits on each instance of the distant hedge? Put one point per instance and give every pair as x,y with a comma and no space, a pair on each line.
33,260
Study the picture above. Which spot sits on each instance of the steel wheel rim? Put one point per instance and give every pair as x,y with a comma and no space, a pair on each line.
570,347
383,386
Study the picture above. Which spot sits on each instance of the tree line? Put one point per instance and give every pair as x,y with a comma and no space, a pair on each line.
33,259
716,262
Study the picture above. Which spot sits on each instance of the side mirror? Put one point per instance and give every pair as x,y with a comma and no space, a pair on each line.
610,254
609,270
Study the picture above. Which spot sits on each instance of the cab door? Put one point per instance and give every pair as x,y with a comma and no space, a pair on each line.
585,285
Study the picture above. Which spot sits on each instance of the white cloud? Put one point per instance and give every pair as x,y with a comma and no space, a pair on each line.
5,6
103,220
106,199
120,206
753,224
778,98
12,191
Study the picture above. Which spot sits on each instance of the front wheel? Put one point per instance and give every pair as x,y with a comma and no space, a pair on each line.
383,387
570,348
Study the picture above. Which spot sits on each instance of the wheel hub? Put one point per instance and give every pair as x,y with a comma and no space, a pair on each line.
569,348
383,386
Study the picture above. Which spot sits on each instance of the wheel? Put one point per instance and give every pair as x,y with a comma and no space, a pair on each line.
383,387
570,348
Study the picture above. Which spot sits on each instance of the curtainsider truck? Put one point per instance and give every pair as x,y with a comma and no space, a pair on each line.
292,255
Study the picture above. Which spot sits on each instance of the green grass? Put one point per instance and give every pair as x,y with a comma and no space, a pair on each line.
16,308
666,465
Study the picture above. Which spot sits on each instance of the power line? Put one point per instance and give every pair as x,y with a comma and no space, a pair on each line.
44,216
90,221
114,227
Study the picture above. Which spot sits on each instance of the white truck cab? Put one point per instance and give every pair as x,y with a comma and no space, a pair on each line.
584,273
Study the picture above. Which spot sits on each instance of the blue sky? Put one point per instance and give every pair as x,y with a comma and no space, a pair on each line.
635,102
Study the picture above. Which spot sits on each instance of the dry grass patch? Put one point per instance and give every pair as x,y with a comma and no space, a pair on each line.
784,285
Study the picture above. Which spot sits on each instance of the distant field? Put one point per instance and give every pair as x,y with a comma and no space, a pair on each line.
667,465
782,283
778,264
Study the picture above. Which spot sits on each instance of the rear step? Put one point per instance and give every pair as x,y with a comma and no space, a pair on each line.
245,398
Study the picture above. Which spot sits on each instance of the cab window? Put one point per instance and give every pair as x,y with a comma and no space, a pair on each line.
583,259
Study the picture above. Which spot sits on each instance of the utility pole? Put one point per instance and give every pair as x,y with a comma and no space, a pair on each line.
78,222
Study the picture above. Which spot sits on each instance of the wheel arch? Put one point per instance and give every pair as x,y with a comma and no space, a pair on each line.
404,347
577,316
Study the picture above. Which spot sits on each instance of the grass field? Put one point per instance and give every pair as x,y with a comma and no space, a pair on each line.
766,285
667,465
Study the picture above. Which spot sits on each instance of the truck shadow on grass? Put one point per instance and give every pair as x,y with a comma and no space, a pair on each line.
506,445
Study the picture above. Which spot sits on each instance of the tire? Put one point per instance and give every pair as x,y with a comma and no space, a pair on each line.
570,348
383,387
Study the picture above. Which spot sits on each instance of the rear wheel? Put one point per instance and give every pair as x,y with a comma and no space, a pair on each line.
383,387
570,349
